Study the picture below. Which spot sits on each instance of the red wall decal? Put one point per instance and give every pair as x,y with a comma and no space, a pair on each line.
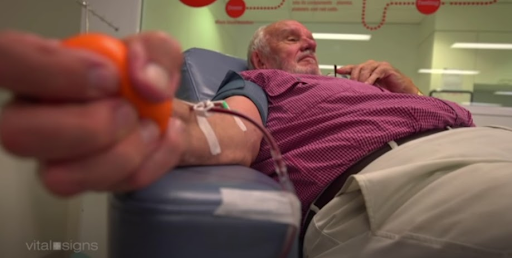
197,3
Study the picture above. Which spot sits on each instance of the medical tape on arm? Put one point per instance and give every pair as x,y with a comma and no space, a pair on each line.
238,121
201,110
240,124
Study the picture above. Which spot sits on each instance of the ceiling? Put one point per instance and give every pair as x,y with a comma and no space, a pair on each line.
347,11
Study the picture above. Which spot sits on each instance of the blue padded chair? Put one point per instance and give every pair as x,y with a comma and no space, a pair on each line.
174,217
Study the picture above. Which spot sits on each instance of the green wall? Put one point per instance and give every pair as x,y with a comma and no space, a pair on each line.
192,27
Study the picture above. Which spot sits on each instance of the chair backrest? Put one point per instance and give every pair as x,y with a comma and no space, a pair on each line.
203,71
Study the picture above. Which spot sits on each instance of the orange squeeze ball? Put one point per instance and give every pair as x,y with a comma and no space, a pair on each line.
117,52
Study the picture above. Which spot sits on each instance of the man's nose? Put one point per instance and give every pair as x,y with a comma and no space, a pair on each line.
308,44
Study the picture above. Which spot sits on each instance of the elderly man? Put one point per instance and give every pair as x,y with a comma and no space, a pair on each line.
418,186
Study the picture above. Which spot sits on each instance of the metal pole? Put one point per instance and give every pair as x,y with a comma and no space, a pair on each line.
88,10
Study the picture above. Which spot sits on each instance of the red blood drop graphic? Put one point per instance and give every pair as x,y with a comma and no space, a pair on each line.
197,3
235,8
428,6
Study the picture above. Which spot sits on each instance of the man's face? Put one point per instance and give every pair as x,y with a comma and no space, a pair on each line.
292,48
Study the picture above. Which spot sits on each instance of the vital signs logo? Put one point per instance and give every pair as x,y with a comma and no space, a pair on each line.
76,247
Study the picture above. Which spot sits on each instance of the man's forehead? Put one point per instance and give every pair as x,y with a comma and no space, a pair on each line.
287,26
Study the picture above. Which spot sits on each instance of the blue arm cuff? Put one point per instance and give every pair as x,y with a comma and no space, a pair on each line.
235,85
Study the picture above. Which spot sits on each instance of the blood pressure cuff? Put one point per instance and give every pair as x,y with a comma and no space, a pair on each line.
235,85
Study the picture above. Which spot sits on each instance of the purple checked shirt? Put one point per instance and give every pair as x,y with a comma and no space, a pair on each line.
323,124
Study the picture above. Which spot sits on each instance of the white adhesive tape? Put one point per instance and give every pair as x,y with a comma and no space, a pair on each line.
211,138
240,123
276,206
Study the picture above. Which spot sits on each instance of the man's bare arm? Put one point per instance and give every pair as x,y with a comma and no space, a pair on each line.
237,146
85,137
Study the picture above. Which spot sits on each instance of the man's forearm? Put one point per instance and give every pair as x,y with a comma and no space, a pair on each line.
237,146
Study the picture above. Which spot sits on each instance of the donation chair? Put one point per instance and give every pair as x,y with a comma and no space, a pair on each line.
179,215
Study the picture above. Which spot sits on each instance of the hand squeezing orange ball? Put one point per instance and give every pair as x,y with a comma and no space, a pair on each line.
117,52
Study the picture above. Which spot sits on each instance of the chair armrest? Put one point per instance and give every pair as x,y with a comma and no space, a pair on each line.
174,217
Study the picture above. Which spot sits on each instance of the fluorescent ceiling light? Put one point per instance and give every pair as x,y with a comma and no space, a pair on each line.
481,104
338,36
326,67
448,71
482,45
506,93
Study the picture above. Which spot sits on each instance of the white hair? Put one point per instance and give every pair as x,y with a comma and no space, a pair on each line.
258,43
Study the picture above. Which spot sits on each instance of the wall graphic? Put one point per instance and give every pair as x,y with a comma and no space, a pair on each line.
197,3
423,6
237,8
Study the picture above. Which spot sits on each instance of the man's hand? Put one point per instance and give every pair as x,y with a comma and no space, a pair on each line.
380,74
67,113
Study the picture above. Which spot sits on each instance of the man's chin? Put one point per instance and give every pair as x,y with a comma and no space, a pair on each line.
307,70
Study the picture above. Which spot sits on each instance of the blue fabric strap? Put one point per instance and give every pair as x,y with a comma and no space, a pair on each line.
235,85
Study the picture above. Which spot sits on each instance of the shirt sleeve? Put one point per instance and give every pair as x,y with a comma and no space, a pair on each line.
235,85
463,117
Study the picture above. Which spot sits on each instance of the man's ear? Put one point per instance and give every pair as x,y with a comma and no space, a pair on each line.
258,61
